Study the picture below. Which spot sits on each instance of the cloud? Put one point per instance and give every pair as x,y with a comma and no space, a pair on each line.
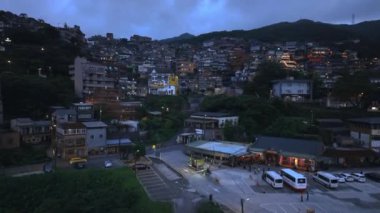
166,18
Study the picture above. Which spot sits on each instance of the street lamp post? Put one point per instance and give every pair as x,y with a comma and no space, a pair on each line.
204,127
136,155
242,200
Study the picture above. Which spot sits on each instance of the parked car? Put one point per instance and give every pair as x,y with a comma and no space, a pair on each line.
375,176
107,164
348,177
359,177
79,165
140,166
341,178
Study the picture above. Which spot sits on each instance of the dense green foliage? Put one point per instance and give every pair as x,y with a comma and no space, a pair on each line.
164,126
356,89
292,127
273,117
23,155
114,190
262,83
31,96
208,207
32,47
255,114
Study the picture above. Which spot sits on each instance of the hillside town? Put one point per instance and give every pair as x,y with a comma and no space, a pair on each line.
198,106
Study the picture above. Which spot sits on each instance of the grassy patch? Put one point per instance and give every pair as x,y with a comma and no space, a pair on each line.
208,207
93,190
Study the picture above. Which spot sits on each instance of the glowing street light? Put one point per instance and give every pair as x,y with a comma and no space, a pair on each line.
8,40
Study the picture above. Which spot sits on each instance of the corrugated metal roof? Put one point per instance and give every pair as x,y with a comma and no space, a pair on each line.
289,145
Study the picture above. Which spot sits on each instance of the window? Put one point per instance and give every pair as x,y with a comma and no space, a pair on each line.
92,137
100,136
301,180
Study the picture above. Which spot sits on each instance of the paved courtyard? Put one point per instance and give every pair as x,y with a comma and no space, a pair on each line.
229,185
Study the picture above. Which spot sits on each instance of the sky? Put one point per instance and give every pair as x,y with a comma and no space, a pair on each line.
161,19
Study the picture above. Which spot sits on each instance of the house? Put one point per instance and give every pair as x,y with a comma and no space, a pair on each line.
64,116
288,152
32,132
210,124
9,139
71,140
291,89
96,136
366,131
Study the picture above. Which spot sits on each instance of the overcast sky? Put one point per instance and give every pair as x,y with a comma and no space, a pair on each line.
167,18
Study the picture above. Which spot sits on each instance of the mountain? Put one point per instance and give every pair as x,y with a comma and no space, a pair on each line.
306,30
182,37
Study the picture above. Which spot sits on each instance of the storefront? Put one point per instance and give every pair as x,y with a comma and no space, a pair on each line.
286,152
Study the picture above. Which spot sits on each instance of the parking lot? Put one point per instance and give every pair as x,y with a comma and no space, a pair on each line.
235,184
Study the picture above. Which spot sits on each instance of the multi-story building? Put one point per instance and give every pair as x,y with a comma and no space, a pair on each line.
96,136
210,124
162,84
71,140
88,76
32,132
292,90
129,87
366,131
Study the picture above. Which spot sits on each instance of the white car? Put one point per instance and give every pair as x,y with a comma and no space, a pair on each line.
359,177
348,177
107,164
341,178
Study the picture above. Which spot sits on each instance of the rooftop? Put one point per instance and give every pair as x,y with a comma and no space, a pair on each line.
94,124
298,146
64,112
368,120
82,104
122,141
72,126
224,147
211,114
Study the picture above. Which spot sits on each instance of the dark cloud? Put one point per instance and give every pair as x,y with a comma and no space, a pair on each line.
167,18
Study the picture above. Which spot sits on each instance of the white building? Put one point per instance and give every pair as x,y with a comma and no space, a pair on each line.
88,76
221,118
290,89
96,136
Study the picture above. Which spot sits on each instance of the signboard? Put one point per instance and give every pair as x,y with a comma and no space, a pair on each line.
199,131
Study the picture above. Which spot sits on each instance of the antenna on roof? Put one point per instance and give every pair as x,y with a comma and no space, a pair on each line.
353,19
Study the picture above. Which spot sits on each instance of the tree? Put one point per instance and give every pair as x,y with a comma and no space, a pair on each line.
262,83
353,88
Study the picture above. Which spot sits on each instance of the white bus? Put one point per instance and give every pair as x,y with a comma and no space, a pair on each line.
326,179
293,179
273,178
